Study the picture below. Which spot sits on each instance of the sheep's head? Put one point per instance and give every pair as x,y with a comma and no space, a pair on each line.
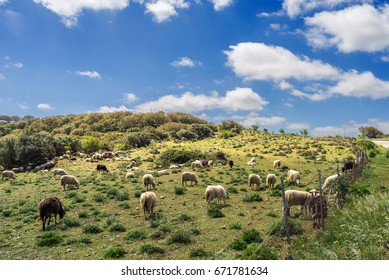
61,213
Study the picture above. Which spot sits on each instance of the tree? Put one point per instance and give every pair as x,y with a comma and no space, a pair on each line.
231,126
304,132
90,144
282,131
370,132
255,127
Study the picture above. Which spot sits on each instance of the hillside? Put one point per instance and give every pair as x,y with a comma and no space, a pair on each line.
103,220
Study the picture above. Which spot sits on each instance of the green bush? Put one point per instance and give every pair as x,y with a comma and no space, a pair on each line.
49,239
252,197
214,212
251,236
181,237
92,229
136,234
117,227
238,244
150,249
179,190
259,252
115,253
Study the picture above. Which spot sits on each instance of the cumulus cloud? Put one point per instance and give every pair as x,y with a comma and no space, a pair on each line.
70,10
185,62
357,28
89,74
108,109
351,128
221,4
258,61
3,2
163,10
234,100
295,8
130,97
44,106
297,126
255,119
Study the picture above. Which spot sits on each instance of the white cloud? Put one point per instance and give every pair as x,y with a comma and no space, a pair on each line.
361,85
297,126
385,58
22,106
350,129
163,10
90,74
295,8
284,85
14,65
2,77
357,28
313,97
3,2
130,97
257,61
107,109
44,106
255,119
70,10
235,100
185,62
221,4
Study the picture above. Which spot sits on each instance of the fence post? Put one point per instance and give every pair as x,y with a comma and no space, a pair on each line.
321,201
285,211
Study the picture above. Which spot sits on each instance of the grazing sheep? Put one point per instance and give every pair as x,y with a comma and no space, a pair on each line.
189,176
43,173
294,176
271,180
174,166
97,156
204,162
277,163
329,181
196,164
212,192
295,197
254,179
318,209
101,167
108,155
69,180
135,168
59,171
130,175
8,174
131,165
231,163
210,163
148,179
148,200
48,206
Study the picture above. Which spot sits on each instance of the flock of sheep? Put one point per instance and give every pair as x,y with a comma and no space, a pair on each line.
148,199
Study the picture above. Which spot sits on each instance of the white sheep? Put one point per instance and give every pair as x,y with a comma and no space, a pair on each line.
251,163
59,172
295,197
196,164
43,173
69,180
254,179
148,179
271,180
189,176
294,176
277,163
130,175
8,174
148,200
174,166
212,192
162,172
131,165
329,181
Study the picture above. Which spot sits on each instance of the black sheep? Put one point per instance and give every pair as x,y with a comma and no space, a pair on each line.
348,165
231,163
101,167
48,206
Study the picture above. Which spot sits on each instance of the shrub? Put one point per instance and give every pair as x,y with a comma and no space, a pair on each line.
70,222
136,234
259,252
238,244
98,198
179,190
123,196
278,228
236,225
251,236
198,252
180,237
214,212
115,253
49,239
117,227
252,197
92,229
150,249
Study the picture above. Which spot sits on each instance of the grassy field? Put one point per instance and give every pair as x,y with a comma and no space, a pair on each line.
103,220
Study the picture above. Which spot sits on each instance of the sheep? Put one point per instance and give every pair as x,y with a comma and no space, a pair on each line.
59,171
174,166
349,165
231,163
101,167
329,181
148,179
254,179
204,162
162,172
210,163
130,175
48,206
8,174
295,197
251,163
271,180
294,176
189,176
131,165
318,209
43,173
212,192
277,163
196,164
69,180
148,200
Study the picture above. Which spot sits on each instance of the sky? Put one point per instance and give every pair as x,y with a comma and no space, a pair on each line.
320,65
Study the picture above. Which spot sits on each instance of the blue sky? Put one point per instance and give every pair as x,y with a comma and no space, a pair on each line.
291,64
